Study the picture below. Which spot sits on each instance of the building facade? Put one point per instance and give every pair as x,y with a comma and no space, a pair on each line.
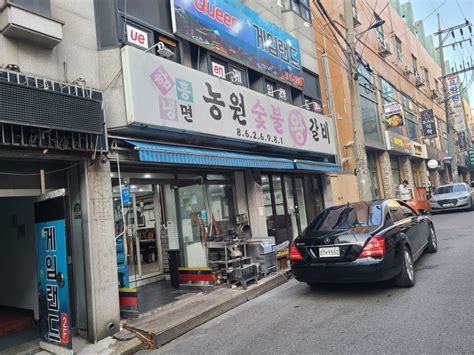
211,132
400,96
154,126
54,175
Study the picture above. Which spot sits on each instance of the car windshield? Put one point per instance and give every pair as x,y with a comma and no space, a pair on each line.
348,216
450,188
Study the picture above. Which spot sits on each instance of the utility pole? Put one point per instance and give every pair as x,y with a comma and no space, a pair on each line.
450,127
360,154
331,109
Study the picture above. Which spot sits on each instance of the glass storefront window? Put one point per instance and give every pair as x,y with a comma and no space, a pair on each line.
286,200
221,207
395,170
267,200
412,126
370,119
374,186
290,201
302,213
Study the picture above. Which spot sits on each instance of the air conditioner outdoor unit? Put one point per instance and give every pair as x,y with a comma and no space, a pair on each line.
407,70
435,94
384,49
419,80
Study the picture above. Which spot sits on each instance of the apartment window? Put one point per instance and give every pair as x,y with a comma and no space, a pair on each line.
368,106
412,124
414,64
379,30
222,69
312,92
389,94
398,48
278,91
427,78
302,8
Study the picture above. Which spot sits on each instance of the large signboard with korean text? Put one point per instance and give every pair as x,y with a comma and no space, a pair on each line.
233,30
457,111
166,95
428,124
53,281
398,143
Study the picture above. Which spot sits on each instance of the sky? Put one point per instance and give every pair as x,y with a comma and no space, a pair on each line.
452,13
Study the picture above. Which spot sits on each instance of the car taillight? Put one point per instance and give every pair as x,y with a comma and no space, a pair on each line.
295,254
374,248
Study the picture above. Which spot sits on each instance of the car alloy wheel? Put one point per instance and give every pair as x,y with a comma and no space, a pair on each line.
409,265
406,278
432,242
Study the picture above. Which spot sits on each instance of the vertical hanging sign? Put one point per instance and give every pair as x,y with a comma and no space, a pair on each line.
53,282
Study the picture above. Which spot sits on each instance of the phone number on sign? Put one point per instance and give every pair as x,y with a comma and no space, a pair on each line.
260,137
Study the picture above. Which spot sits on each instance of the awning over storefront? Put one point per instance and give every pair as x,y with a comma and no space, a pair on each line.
317,166
161,153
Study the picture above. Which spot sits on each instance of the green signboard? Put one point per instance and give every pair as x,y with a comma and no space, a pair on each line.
470,158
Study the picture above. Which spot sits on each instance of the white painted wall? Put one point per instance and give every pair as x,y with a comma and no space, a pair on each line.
18,254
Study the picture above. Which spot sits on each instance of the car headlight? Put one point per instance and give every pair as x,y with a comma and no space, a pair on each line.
432,200
463,197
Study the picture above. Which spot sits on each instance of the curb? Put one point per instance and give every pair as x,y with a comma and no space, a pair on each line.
168,335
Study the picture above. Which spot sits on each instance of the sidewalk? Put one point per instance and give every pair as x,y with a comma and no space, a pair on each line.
168,322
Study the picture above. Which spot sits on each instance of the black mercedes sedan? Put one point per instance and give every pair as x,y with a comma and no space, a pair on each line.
363,242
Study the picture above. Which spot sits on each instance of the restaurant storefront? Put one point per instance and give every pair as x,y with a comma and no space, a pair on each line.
400,150
201,161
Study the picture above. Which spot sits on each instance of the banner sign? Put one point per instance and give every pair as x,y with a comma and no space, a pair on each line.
462,141
428,124
163,94
53,282
234,31
398,143
393,114
457,111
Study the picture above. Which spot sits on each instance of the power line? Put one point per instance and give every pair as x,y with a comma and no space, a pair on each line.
459,6
412,26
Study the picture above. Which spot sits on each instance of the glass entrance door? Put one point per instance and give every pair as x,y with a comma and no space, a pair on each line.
192,225
285,206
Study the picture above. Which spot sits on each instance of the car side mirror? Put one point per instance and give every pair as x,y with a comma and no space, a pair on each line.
422,212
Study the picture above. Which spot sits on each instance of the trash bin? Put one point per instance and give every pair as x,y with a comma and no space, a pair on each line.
173,259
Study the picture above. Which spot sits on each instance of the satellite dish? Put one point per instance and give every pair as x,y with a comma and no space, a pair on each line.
433,164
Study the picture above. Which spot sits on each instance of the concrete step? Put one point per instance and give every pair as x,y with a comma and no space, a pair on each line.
171,321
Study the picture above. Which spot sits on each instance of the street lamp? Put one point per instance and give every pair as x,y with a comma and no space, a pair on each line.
376,24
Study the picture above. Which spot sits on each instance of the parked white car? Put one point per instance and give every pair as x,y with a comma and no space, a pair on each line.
455,196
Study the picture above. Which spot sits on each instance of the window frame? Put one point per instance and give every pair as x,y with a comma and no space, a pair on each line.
398,48
414,63
228,67
276,85
297,6
379,34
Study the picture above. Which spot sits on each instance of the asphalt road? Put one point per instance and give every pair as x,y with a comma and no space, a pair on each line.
434,317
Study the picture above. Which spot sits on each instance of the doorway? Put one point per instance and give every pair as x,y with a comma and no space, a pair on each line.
19,310
290,202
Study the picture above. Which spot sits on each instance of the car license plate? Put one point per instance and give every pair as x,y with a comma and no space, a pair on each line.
448,205
332,252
